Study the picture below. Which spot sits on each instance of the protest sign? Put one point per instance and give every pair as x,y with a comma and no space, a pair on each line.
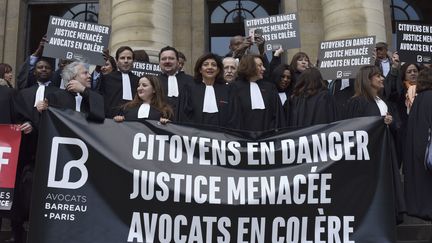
9,150
277,30
71,39
414,42
145,68
148,182
343,58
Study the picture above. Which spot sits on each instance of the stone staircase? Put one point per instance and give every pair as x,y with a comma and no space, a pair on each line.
414,230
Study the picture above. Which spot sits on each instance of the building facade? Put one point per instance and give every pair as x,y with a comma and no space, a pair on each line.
198,26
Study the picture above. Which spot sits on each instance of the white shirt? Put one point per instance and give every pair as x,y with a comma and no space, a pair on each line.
209,103
257,101
381,106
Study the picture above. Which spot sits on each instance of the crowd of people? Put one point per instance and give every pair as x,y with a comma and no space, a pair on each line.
242,90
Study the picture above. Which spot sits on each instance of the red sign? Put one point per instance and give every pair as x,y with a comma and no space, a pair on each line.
10,138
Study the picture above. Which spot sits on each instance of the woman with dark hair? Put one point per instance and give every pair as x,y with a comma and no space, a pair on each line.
281,76
205,100
109,66
299,63
149,102
254,103
417,180
409,73
310,103
366,101
6,75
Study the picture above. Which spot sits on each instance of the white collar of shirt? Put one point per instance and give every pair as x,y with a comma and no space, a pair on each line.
283,97
40,92
209,103
385,64
144,111
78,100
257,101
344,83
127,90
173,86
62,84
381,106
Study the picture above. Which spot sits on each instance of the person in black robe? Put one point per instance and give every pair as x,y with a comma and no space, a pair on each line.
28,106
366,101
119,87
342,91
6,104
299,63
6,117
310,103
109,66
205,100
254,103
417,180
281,76
368,85
172,80
78,95
149,103
26,78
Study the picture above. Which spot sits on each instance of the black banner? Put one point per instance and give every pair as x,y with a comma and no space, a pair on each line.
134,182
277,30
343,58
71,39
414,42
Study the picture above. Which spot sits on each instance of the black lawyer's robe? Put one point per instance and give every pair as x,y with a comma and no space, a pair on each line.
418,181
242,115
92,103
182,80
6,104
308,111
24,104
131,114
192,101
360,107
111,88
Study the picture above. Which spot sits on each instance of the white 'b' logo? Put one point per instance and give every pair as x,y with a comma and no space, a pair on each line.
78,164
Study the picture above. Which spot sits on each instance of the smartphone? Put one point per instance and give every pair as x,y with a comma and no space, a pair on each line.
258,33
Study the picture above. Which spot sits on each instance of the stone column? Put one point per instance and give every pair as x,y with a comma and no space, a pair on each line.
141,24
12,32
354,18
311,26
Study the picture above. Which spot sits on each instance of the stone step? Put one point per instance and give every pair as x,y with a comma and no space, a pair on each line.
414,230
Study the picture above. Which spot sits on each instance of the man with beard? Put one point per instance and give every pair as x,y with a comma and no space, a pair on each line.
78,95
172,81
29,104
119,86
